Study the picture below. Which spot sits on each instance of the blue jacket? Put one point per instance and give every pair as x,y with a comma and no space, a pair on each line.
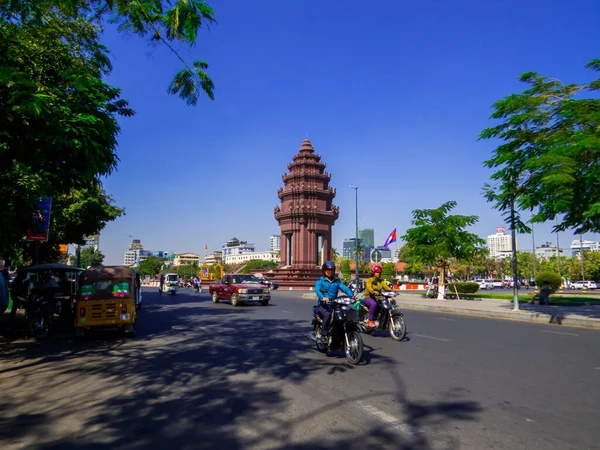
330,289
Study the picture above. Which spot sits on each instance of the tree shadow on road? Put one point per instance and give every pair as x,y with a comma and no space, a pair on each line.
200,377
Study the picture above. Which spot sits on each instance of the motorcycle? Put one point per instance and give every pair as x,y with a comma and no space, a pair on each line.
343,330
40,314
197,287
388,316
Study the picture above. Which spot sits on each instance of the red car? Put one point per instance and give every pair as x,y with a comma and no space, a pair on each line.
239,288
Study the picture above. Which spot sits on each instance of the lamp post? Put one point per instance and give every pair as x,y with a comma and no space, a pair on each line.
356,236
558,254
582,258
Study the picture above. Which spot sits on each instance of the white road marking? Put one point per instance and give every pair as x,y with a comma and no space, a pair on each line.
597,368
560,332
288,312
445,318
430,337
385,417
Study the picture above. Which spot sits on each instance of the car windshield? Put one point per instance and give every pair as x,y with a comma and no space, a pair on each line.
245,279
171,277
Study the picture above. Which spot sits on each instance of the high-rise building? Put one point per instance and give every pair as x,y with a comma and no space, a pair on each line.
367,237
587,246
547,250
349,247
275,242
499,244
92,241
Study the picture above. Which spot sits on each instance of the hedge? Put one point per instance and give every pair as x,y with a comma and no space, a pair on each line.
463,287
552,278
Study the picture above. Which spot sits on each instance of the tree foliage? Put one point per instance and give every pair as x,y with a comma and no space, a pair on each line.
438,235
88,256
150,266
549,161
261,264
58,132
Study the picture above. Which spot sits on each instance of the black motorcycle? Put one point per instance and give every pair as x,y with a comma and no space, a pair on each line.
197,287
343,330
388,317
40,315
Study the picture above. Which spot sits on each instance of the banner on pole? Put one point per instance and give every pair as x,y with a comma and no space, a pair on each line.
40,226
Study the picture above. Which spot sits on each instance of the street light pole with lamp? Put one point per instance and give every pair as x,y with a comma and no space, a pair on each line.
356,235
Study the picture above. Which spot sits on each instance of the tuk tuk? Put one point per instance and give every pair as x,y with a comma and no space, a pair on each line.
46,292
109,298
169,284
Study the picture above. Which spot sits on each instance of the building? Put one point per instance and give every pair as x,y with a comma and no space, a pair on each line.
367,237
130,257
245,257
137,254
499,243
214,258
92,241
274,243
349,247
234,247
547,251
136,244
184,259
588,246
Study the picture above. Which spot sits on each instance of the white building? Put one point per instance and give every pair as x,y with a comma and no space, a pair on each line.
130,257
184,259
275,242
234,247
213,258
588,246
499,243
547,250
249,256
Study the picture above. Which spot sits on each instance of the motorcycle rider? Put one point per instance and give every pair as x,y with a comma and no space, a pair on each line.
197,283
374,287
327,288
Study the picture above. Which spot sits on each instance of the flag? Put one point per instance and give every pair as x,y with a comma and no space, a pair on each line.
391,238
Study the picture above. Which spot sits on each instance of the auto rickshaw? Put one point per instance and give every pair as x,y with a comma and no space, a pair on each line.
47,292
170,284
109,298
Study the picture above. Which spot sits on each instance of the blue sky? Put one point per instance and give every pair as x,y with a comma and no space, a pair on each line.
389,93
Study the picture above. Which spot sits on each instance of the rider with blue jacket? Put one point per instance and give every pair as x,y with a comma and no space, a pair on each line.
327,288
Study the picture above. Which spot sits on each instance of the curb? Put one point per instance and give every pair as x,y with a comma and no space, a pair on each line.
521,316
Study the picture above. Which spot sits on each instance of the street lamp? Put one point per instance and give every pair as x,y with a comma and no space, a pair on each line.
356,237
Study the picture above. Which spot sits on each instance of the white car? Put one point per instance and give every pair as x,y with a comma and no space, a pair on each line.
486,284
498,284
587,284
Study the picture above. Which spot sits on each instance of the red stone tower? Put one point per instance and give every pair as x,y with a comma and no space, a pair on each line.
306,216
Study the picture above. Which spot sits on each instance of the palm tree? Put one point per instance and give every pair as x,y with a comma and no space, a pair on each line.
334,255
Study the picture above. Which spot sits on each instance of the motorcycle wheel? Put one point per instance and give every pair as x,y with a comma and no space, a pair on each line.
320,347
398,329
38,328
355,350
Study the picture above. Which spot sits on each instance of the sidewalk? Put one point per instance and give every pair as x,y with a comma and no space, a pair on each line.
572,316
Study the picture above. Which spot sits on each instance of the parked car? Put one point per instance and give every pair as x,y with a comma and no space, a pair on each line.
486,284
587,284
498,284
274,285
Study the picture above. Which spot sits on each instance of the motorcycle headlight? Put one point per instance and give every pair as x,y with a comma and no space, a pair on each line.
243,291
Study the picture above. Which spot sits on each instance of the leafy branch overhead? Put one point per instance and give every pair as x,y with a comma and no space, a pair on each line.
549,158
165,21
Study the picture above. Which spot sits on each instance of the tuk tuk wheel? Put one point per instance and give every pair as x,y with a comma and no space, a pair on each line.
129,330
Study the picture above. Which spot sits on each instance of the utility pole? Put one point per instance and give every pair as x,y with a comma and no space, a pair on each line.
582,257
558,255
514,255
356,235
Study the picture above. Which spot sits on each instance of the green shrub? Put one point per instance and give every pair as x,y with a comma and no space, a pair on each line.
552,278
346,274
469,287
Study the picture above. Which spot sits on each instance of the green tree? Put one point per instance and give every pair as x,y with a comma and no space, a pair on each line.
257,264
388,271
437,237
59,118
334,255
346,274
548,160
187,271
150,266
90,257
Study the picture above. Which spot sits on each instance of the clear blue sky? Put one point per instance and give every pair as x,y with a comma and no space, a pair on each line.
389,92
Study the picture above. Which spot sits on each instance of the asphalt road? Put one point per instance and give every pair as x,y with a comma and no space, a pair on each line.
200,375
